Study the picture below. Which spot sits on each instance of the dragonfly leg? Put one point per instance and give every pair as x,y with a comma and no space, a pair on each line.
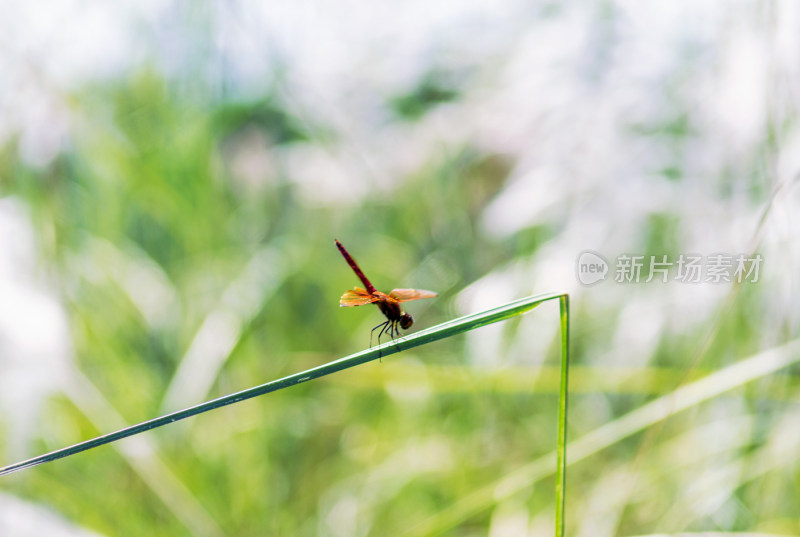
393,331
388,327
382,326
398,334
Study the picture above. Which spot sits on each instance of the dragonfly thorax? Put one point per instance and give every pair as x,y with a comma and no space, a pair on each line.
395,314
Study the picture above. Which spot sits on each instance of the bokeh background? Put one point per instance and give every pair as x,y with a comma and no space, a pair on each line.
172,177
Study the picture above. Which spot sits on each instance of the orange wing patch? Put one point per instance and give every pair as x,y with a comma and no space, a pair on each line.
404,295
357,297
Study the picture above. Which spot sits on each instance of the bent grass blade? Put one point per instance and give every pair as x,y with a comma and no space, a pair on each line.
429,335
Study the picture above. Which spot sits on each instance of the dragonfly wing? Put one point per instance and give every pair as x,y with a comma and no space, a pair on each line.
357,297
404,295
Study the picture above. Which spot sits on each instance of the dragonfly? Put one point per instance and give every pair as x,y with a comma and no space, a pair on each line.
388,304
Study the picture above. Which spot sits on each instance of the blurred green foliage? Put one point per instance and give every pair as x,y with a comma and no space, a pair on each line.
147,224
146,182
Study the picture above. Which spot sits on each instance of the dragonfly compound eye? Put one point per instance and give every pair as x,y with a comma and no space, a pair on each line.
406,321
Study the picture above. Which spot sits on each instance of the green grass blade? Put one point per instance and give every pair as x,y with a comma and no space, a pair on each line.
688,396
441,331
561,448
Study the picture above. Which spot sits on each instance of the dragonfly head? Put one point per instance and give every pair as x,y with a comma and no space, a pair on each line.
406,321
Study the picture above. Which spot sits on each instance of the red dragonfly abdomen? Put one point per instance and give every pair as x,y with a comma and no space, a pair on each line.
352,262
